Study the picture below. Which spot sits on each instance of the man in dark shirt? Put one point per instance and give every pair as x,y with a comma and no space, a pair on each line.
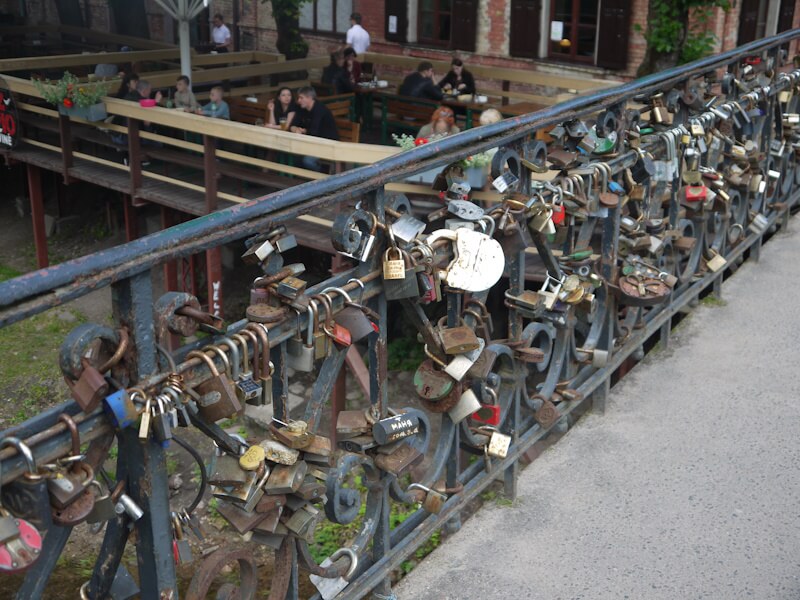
420,83
313,118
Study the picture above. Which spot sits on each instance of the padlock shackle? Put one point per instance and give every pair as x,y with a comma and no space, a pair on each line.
25,452
256,352
360,284
434,358
351,554
313,321
221,353
339,291
234,365
245,353
73,432
205,358
263,333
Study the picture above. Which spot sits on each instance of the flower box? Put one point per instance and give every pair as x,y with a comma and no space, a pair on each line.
95,112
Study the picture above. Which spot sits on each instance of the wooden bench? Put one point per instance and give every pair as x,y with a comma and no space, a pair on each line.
404,113
244,111
342,106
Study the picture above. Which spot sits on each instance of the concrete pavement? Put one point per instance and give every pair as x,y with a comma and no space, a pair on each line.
688,486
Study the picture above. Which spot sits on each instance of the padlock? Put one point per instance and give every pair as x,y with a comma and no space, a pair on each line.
78,509
432,383
286,479
398,427
26,497
247,389
329,588
479,261
224,470
407,228
335,331
220,398
103,509
299,355
457,340
294,434
266,369
20,541
406,286
252,459
311,489
547,414
460,365
393,268
161,426
241,520
466,405
398,458
499,443
182,551
120,409
352,423
489,414
279,453
303,522
258,252
291,287
433,502
245,492
90,388
716,262
353,318
67,485
126,505
696,193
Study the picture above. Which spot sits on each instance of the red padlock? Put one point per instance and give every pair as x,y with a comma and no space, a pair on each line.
25,547
559,214
488,413
696,193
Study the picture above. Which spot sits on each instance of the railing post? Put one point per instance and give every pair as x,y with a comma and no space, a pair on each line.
134,156
65,133
132,301
37,215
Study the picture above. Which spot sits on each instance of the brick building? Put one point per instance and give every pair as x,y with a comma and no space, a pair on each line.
600,38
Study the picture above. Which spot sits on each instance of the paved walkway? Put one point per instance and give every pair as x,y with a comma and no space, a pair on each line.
688,486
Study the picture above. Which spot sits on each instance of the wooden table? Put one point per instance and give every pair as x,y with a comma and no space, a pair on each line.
520,108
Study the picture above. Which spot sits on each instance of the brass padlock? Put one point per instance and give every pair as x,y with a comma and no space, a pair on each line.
218,397
457,340
393,268
433,502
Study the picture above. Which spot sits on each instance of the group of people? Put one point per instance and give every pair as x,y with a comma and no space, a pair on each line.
344,70
421,83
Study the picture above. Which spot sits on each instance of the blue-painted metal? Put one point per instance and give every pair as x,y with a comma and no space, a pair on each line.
564,376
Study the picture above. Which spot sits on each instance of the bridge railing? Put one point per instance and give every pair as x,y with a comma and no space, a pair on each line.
649,193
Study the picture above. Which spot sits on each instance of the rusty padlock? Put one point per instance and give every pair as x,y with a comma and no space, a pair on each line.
90,388
218,398
457,340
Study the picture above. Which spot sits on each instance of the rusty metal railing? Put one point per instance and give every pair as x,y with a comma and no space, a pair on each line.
604,235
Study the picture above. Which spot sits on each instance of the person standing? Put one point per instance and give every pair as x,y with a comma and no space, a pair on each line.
357,36
220,34
313,118
419,84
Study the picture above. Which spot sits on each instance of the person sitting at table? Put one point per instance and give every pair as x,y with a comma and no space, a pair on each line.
336,74
281,111
184,97
419,84
217,108
442,123
140,92
458,80
352,65
128,85
313,118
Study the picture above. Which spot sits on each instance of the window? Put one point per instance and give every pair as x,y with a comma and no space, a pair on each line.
434,22
573,30
326,16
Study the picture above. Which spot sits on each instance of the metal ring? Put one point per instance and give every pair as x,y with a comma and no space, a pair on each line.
350,553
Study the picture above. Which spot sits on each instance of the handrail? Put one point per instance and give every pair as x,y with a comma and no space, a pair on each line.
204,232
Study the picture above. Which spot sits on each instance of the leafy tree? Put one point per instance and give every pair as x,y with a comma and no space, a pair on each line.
287,21
670,38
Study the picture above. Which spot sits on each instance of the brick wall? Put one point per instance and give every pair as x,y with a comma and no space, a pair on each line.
373,15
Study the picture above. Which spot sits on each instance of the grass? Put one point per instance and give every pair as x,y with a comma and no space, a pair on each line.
405,354
8,273
712,300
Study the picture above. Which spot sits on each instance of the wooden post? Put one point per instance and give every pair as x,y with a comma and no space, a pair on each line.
506,88
37,215
131,224
64,130
210,172
134,156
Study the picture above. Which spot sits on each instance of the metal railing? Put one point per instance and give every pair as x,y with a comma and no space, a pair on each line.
618,262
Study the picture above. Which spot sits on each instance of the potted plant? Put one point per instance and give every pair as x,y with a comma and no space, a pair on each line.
75,98
407,142
475,169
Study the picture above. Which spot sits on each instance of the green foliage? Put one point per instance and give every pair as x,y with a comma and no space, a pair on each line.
8,273
667,30
69,91
287,18
405,354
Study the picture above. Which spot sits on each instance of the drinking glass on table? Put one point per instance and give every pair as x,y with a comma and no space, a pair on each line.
282,123
259,122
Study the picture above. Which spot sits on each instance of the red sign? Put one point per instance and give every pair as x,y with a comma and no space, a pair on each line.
9,119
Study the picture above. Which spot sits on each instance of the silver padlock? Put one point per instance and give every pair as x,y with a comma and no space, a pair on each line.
466,405
330,588
462,363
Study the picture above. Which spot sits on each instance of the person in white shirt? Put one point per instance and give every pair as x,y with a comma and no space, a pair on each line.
357,36
220,34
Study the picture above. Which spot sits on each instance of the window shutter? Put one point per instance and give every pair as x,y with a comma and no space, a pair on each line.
748,21
786,15
396,24
525,21
464,25
614,34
